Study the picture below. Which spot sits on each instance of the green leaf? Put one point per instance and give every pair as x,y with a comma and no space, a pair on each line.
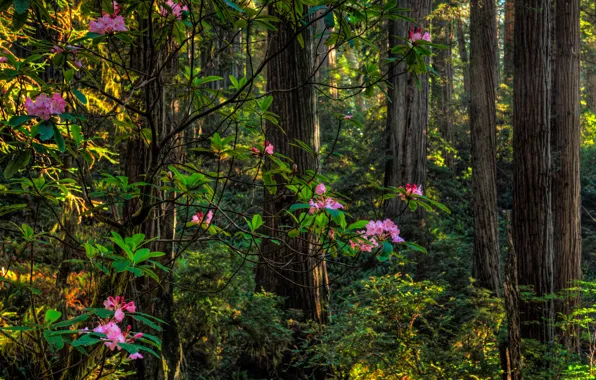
75,131
45,130
17,328
21,6
79,95
293,233
257,221
147,322
358,225
234,6
56,341
52,316
299,206
70,322
100,312
86,340
19,20
179,32
19,161
59,139
130,348
144,254
15,121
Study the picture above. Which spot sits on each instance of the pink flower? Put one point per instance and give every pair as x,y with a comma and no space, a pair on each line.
412,190
56,49
255,151
348,117
174,8
320,189
331,234
268,148
109,24
377,231
119,306
3,59
332,204
78,64
44,106
416,34
113,335
200,218
118,315
136,355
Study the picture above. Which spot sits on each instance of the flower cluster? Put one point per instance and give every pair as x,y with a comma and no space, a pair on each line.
377,231
416,34
44,106
111,329
3,59
412,190
175,9
202,219
322,202
108,23
268,150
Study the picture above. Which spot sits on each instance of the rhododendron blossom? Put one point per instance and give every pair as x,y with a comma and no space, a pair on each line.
322,202
268,150
44,106
416,34
119,306
136,356
175,9
56,49
108,24
3,59
200,218
412,190
376,231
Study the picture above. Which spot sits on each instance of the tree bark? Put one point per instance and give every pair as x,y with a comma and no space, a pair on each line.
565,147
532,218
508,42
294,271
463,56
483,43
513,370
442,84
407,112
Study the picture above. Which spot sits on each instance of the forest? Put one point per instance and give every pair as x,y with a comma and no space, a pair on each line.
297,189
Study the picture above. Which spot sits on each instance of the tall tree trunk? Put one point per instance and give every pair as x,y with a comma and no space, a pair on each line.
508,42
442,84
407,112
565,146
463,57
483,43
532,218
513,370
294,271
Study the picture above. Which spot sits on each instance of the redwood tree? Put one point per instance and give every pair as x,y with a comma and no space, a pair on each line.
532,217
565,146
483,43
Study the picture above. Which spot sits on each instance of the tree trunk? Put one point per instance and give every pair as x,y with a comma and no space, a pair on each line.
513,370
483,43
532,218
407,112
463,56
442,84
294,271
565,146
508,42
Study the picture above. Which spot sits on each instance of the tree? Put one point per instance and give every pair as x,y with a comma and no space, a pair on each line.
442,84
508,41
565,148
295,271
483,43
532,217
407,111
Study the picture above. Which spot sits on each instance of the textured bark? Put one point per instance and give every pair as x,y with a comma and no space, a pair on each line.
513,370
565,147
407,112
483,43
508,42
294,271
442,84
463,56
532,219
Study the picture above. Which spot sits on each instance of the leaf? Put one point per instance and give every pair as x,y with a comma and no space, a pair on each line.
147,322
179,32
86,340
294,233
130,348
45,130
357,225
19,161
299,206
75,131
21,6
144,254
70,322
52,316
79,95
59,139
15,121
257,221
19,20
100,312
16,328
234,6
